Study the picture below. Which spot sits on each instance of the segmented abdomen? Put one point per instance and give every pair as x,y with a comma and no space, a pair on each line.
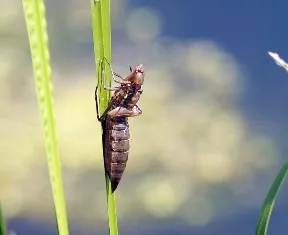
116,147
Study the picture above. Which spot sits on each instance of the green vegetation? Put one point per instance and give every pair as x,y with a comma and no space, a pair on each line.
34,11
36,26
262,226
3,230
101,26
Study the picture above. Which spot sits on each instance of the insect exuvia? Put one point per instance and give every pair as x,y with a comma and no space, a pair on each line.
114,121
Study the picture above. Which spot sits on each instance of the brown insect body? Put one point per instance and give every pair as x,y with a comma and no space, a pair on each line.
114,120
116,148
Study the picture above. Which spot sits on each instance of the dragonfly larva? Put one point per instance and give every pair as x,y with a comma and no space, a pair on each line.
114,121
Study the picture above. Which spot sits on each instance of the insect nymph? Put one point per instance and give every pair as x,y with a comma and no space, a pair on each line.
114,121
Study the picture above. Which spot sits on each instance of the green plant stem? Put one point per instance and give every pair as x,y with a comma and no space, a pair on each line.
34,11
101,27
3,230
265,215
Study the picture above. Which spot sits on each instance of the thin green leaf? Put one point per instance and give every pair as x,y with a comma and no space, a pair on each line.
263,222
101,27
34,11
3,230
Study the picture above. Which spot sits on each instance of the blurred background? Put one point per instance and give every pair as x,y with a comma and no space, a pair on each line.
212,136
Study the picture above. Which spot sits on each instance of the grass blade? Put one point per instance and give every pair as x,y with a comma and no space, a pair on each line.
101,27
34,11
263,222
3,230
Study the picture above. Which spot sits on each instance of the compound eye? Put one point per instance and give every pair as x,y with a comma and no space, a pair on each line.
139,71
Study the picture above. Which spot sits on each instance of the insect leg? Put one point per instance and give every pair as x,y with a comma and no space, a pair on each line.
124,112
100,118
119,112
104,81
111,88
108,88
136,111
97,106
113,73
118,75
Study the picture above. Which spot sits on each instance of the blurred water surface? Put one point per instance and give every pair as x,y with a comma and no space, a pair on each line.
210,139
